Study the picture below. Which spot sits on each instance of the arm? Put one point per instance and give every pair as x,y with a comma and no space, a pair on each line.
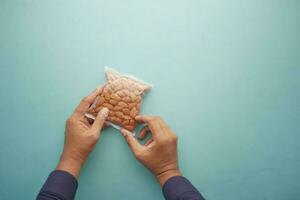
80,139
159,155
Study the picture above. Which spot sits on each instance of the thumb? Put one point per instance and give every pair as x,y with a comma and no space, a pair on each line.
100,119
133,144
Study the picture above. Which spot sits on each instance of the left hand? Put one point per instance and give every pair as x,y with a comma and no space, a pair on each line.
80,136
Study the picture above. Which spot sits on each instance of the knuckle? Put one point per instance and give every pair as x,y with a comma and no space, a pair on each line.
70,121
176,138
138,154
151,118
173,137
163,141
94,136
157,117
85,100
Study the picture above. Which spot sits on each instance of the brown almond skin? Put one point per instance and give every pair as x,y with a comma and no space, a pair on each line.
132,122
133,112
121,93
125,92
132,96
122,104
119,87
138,105
126,111
137,92
129,127
107,105
117,108
127,117
115,97
98,109
119,114
112,113
118,120
126,122
126,99
113,102
107,96
100,101
138,99
131,105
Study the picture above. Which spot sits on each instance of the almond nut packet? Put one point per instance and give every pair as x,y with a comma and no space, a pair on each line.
122,95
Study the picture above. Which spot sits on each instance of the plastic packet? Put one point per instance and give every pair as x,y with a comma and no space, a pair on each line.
122,94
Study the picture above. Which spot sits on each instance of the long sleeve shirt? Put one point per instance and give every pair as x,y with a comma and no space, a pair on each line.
61,185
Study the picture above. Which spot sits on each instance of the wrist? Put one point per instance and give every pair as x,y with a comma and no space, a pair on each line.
70,165
166,175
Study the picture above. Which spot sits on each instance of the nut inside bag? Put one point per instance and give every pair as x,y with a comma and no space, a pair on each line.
122,95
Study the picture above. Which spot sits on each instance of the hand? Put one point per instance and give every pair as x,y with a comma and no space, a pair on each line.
159,154
80,136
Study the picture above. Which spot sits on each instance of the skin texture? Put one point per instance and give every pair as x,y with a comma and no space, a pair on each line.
158,154
80,136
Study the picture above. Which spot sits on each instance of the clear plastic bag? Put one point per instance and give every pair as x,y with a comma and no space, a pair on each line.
122,94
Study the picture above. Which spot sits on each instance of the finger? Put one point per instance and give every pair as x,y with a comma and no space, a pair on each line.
166,129
100,119
153,125
144,118
163,125
133,144
149,142
86,102
143,132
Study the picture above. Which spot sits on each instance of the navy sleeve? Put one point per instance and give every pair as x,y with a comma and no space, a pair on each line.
60,185
179,188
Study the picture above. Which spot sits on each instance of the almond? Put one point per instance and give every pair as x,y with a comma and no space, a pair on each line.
122,104
106,96
133,112
107,105
127,117
117,108
119,114
131,105
113,102
132,122
100,101
129,127
125,122
98,109
126,111
126,99
138,99
115,97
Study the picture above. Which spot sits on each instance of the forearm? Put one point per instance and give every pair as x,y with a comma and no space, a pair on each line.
179,188
70,165
60,185
166,175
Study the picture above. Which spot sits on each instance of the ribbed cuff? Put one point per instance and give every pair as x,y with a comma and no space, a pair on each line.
60,183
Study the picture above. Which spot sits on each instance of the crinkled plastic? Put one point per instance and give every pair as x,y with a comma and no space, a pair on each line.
122,95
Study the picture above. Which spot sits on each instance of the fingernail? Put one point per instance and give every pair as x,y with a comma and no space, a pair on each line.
99,88
104,112
124,132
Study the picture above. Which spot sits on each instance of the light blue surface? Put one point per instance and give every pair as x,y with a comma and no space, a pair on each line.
226,78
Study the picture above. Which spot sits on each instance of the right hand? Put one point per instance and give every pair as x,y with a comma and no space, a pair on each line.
158,154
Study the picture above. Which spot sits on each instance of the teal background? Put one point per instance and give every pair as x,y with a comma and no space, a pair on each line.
225,75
